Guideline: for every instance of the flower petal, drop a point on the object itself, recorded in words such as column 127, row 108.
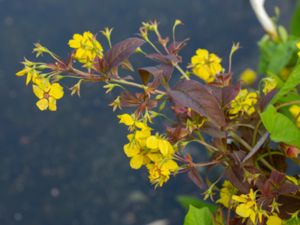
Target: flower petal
column 136, row 162
column 38, row 91
column 42, row 104
column 56, row 91
column 52, row 104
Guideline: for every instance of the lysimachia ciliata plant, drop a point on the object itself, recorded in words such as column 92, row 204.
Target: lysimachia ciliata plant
column 249, row 127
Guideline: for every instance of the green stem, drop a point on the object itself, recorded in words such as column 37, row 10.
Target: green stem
column 256, row 132
column 240, row 140
column 181, row 71
column 129, row 83
column 267, row 164
column 208, row 146
column 287, row 104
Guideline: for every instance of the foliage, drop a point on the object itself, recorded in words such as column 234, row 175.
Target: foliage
column 249, row 127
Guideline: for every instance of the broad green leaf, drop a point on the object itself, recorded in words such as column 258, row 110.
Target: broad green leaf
column 186, row 201
column 292, row 82
column 295, row 22
column 280, row 127
column 275, row 56
column 197, row 216
column 281, row 56
column 293, row 221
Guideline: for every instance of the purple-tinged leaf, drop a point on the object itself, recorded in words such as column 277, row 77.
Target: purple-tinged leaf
column 120, row 52
column 176, row 47
column 199, row 98
column 229, row 93
column 161, row 75
column 165, row 59
column 265, row 100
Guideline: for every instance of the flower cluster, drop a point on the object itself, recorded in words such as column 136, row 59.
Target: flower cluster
column 206, row 65
column 153, row 151
column 226, row 193
column 244, row 103
column 245, row 127
column 269, row 84
column 248, row 208
column 87, row 48
column 298, row 46
column 47, row 92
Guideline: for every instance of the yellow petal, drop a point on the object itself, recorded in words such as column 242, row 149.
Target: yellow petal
column 274, row 220
column 163, row 146
column 44, row 84
column 136, row 162
column 126, row 119
column 56, row 91
column 243, row 211
column 131, row 149
column 171, row 165
column 203, row 53
column 74, row 44
column 154, row 157
column 38, row 91
column 52, row 104
column 152, row 142
column 42, row 104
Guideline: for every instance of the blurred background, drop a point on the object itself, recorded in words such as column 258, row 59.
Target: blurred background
column 68, row 167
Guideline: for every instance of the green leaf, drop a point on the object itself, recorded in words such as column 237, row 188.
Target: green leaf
column 292, row 82
column 280, row 127
column 275, row 56
column 295, row 22
column 197, row 216
column 293, row 221
column 281, row 56
column 186, row 201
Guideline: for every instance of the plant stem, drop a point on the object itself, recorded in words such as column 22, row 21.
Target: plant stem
column 287, row 104
column 129, row 83
column 208, row 146
column 240, row 140
column 181, row 71
column 256, row 132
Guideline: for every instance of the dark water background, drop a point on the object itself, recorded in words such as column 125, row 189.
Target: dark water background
column 68, row 168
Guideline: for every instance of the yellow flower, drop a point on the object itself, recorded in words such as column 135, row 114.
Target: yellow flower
column 295, row 111
column 153, row 151
column 159, row 173
column 126, row 119
column 87, row 48
column 226, row 193
column 274, row 220
column 248, row 77
column 48, row 94
column 269, row 84
column 248, row 207
column 298, row 46
column 29, row 70
column 206, row 65
column 243, row 103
